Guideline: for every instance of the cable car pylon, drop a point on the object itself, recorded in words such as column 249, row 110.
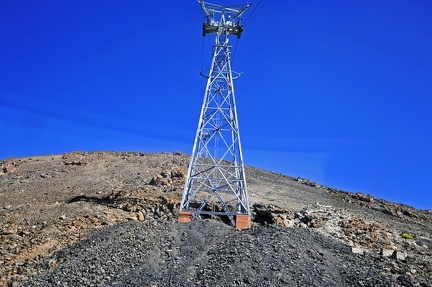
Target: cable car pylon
column 216, row 182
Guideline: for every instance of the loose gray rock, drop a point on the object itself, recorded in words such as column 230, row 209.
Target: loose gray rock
column 211, row 253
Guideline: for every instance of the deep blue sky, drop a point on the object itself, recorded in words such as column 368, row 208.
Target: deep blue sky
column 339, row 92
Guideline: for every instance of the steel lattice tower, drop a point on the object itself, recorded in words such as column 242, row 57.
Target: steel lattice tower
column 216, row 183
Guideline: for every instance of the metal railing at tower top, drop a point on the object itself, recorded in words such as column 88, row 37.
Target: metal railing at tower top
column 224, row 19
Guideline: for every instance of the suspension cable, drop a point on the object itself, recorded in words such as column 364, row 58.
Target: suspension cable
column 253, row 14
column 255, row 11
column 234, row 52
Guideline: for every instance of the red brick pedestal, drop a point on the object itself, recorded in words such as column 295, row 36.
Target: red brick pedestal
column 184, row 216
column 243, row 221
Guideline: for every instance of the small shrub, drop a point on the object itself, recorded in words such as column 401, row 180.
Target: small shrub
column 406, row 235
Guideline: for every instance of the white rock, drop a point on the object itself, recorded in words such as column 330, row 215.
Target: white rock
column 387, row 252
column 399, row 255
column 357, row 250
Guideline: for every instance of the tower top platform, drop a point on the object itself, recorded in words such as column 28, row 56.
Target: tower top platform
column 223, row 19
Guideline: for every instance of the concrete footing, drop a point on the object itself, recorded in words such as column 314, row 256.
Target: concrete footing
column 243, row 221
column 184, row 217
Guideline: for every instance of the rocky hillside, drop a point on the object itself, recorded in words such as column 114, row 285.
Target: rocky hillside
column 109, row 219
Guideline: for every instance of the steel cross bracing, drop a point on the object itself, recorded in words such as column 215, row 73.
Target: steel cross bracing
column 216, row 183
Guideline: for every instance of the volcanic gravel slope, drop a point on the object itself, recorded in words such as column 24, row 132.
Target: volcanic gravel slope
column 109, row 219
column 210, row 253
